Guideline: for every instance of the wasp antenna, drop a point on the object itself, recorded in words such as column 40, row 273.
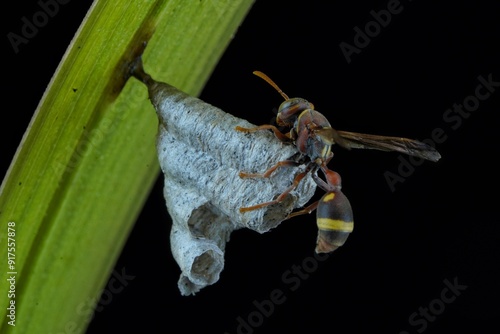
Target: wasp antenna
column 272, row 83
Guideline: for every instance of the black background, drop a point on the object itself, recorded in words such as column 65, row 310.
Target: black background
column 440, row 224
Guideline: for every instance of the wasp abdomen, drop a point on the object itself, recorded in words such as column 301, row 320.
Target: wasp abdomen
column 335, row 221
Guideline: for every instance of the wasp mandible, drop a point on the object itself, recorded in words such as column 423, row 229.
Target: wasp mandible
column 313, row 136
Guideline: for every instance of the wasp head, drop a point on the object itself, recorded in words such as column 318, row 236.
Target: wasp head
column 290, row 109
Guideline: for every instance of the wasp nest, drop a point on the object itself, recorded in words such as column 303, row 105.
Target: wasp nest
column 201, row 154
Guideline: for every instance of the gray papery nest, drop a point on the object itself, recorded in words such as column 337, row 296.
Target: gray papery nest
column 201, row 154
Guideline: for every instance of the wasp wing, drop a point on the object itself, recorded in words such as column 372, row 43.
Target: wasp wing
column 385, row 143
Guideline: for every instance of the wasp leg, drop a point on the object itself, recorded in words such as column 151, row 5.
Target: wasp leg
column 281, row 136
column 281, row 197
column 304, row 211
column 268, row 172
column 332, row 185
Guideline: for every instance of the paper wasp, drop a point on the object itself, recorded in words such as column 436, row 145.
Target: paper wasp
column 313, row 136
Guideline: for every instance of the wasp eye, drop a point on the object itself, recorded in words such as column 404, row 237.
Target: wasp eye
column 292, row 108
column 294, row 105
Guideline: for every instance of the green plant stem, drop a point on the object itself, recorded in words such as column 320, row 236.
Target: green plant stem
column 87, row 160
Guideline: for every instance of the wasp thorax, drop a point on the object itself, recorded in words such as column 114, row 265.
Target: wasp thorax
column 290, row 110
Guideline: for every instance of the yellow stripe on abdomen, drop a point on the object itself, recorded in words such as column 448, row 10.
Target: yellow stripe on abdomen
column 328, row 197
column 334, row 225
